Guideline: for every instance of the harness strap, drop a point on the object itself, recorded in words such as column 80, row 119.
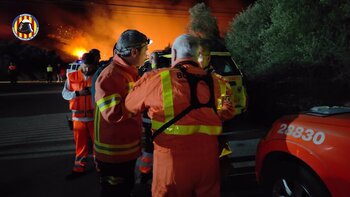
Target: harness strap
column 193, row 81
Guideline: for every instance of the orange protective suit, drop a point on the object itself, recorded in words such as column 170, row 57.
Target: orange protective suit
column 82, row 115
column 186, row 155
column 117, row 134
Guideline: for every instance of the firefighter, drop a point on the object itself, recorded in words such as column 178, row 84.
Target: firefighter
column 204, row 62
column 186, row 106
column 146, row 159
column 97, row 55
column 204, row 55
column 117, row 133
column 77, row 91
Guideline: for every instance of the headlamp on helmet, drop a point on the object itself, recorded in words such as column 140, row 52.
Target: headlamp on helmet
column 130, row 39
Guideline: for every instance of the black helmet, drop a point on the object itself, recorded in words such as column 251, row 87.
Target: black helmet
column 130, row 39
column 88, row 58
column 96, row 54
column 95, row 51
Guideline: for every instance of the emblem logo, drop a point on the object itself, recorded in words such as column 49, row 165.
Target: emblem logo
column 25, row 27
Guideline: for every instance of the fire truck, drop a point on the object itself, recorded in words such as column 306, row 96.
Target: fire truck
column 305, row 154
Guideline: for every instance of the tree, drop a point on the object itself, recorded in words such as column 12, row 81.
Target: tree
column 204, row 25
column 294, row 53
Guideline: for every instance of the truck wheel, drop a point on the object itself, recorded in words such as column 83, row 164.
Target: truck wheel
column 292, row 179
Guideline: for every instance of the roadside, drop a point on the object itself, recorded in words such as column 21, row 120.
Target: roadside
column 45, row 177
column 37, row 148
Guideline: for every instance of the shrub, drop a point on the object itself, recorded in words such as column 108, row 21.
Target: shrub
column 295, row 54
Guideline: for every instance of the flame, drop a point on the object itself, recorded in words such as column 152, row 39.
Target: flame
column 78, row 52
column 102, row 34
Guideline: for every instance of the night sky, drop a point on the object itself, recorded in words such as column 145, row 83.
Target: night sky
column 68, row 25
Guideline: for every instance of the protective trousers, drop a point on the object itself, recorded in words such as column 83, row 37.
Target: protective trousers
column 83, row 133
column 116, row 179
column 187, row 170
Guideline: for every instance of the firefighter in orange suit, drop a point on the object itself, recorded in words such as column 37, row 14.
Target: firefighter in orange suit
column 117, row 133
column 77, row 91
column 186, row 155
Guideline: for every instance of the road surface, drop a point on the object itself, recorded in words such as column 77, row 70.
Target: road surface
column 37, row 148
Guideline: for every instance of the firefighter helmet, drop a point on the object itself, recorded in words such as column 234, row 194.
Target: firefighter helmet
column 25, row 27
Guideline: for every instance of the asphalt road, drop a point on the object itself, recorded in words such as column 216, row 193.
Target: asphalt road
column 27, row 99
column 37, row 148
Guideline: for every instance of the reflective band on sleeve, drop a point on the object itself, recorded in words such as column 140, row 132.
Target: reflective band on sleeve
column 83, row 119
column 167, row 95
column 122, row 149
column 187, row 129
column 82, row 111
column 108, row 102
column 129, row 79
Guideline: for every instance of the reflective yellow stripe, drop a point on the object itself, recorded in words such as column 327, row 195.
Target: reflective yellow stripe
column 166, row 56
column 97, row 124
column 187, row 129
column 176, row 129
column 167, row 95
column 153, row 65
column 236, row 78
column 108, row 102
column 103, row 104
column 129, row 79
column 223, row 87
column 130, row 85
column 222, row 94
column 120, row 146
column 110, row 149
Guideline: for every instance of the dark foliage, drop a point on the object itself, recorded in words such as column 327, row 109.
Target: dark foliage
column 31, row 61
column 204, row 25
column 295, row 54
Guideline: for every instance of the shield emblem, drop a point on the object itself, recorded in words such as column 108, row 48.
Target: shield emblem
column 25, row 27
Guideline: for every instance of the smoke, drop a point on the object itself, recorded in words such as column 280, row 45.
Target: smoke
column 66, row 26
column 160, row 20
column 103, row 23
column 71, row 24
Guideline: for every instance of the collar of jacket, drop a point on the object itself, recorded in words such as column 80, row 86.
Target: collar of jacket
column 121, row 63
column 190, row 67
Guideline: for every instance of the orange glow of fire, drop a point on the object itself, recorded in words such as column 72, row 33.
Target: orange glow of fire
column 78, row 52
column 102, row 34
